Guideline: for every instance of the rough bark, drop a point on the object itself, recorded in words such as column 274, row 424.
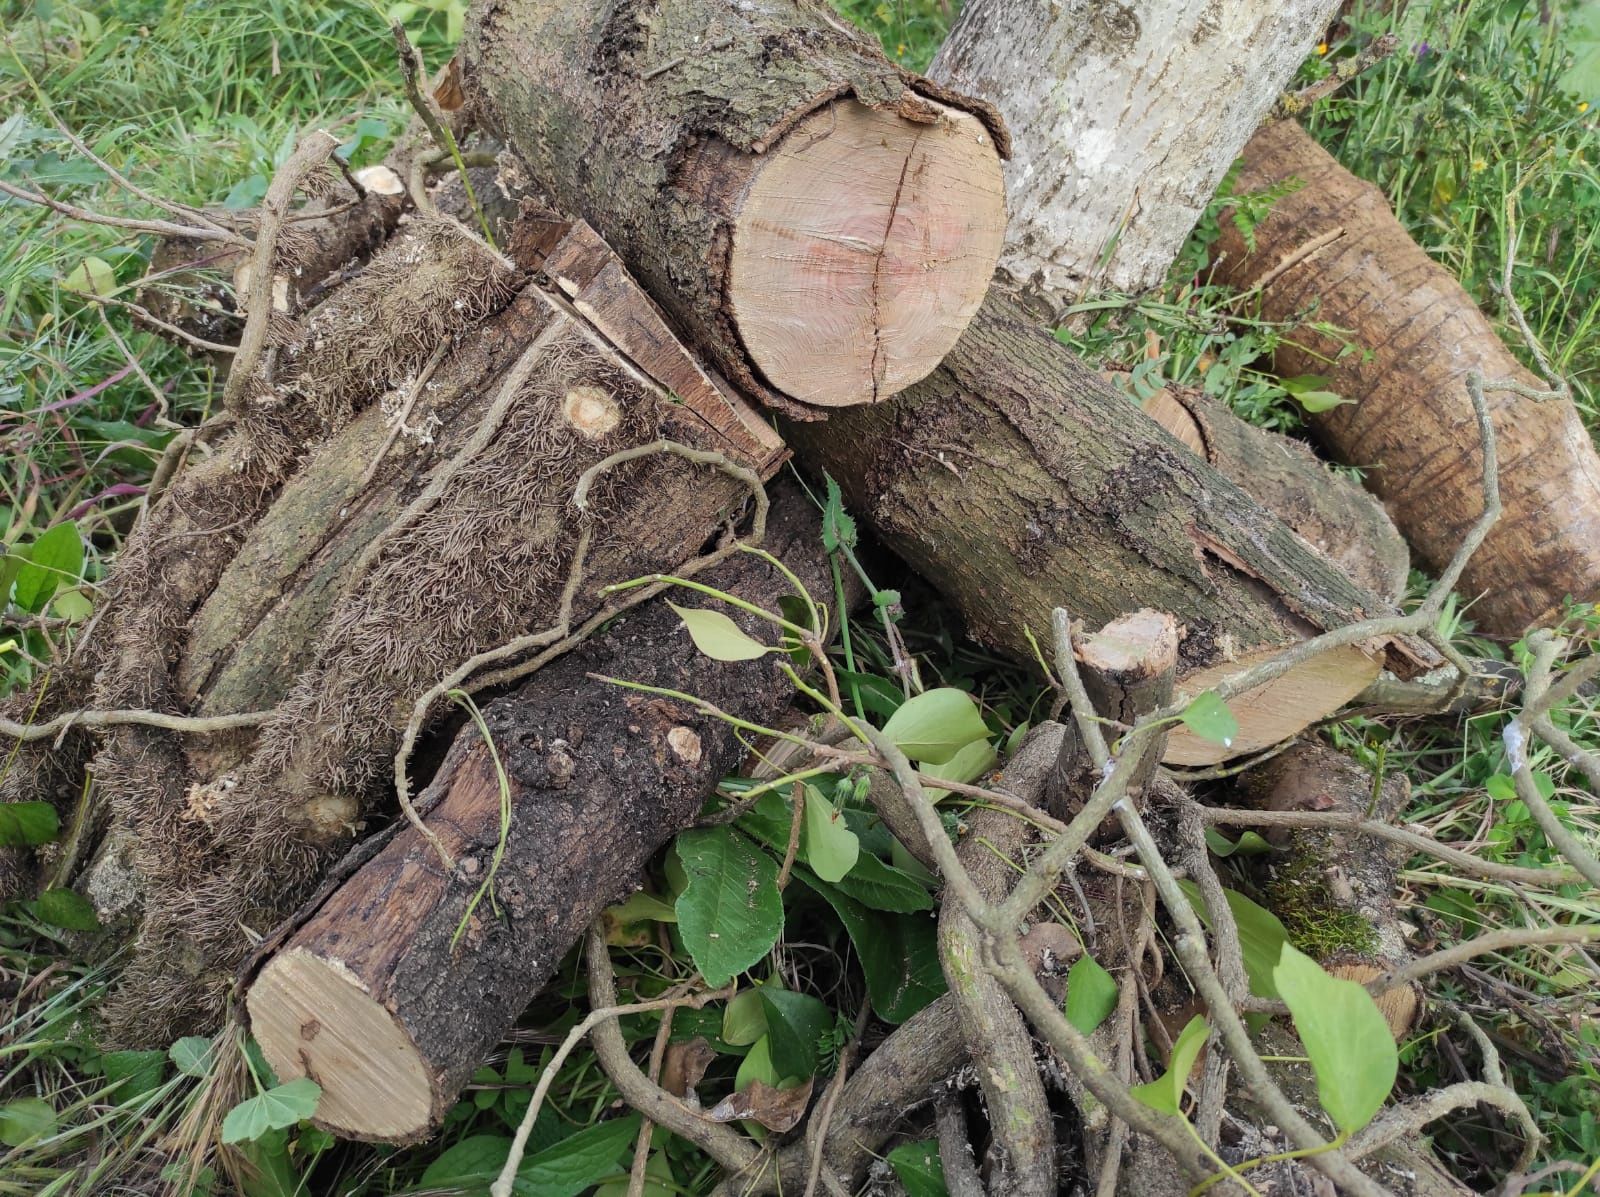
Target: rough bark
column 1014, row 480
column 1410, row 424
column 367, row 996
column 819, row 221
column 1123, row 118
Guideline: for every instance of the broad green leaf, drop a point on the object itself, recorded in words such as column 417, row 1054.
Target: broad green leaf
column 967, row 765
column 659, row 1180
column 134, row 1073
column 838, row 528
column 918, row 1168
column 879, row 696
column 1351, row 1047
column 880, row 886
column 1581, row 36
column 1299, row 384
column 757, row 1066
column 1209, row 718
column 54, row 560
column 899, row 953
column 1315, row 401
column 192, row 1055
column 1165, row 1093
column 1250, row 844
column 1261, row 936
column 27, row 824
column 744, row 1019
column 26, row 1119
column 935, row 725
column 92, row 276
column 1091, row 995
column 795, row 1021
column 65, row 908
column 468, row 1165
column 275, row 1109
column 1501, row 787
column 718, row 636
column 641, row 907
column 731, row 913
column 831, row 848
column 563, row 1169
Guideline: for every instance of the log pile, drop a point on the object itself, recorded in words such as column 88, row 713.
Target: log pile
column 725, row 234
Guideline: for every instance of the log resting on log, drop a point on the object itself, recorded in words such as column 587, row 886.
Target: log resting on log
column 1016, row 480
column 822, row 223
column 1410, row 424
column 376, row 998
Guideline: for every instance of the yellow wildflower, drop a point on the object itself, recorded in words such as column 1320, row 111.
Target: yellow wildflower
column 1322, row 48
column 1479, row 164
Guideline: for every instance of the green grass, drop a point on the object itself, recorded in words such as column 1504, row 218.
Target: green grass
column 198, row 101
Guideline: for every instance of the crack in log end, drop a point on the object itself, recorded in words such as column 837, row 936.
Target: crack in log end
column 877, row 367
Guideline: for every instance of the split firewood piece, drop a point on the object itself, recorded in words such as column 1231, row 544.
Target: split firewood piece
column 1014, row 481
column 1409, row 422
column 1337, row 517
column 821, row 222
column 366, row 997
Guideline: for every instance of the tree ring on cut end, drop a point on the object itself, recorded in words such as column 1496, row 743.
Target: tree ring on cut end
column 863, row 247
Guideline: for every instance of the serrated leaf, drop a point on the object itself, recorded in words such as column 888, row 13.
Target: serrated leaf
column 276, row 1109
column 1165, row 1093
column 192, row 1055
column 26, row 1119
column 744, row 1018
column 935, row 725
column 730, row 913
column 831, row 848
column 918, row 1168
column 795, row 1022
column 838, row 528
column 28, row 824
column 1091, row 995
column 54, row 560
column 66, row 908
column 1261, row 936
column 717, row 636
column 1344, row 1033
column 92, row 276
column 1209, row 718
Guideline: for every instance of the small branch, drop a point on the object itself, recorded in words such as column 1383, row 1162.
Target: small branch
column 411, row 73
column 145, row 316
column 1494, row 941
column 210, row 725
column 1343, row 71
column 796, row 820
column 817, row 1125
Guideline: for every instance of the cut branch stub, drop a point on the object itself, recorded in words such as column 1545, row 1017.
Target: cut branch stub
column 821, row 222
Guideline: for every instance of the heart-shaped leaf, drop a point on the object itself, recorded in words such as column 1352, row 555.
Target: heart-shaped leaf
column 277, row 1108
column 935, row 725
column 831, row 848
column 1091, row 995
column 1165, row 1093
column 1209, row 718
column 1351, row 1047
column 718, row 636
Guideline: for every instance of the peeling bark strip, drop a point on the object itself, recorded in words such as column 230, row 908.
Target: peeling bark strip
column 1109, row 171
column 1016, row 480
column 1410, row 423
column 820, row 221
column 373, row 998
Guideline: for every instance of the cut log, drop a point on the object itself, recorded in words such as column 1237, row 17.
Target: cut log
column 396, row 987
column 1335, row 242
column 822, row 223
column 1124, row 119
column 1015, row 481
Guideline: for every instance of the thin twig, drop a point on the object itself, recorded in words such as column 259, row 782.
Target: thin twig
column 817, row 1125
column 796, row 820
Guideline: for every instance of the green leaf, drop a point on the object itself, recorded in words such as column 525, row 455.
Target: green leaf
column 1091, row 995
column 26, row 1119
column 56, row 558
column 1299, row 384
column 831, row 848
column 879, row 696
column 642, row 907
column 1315, row 401
column 731, row 913
column 967, row 765
column 134, row 1073
column 1250, row 844
column 64, row 908
column 795, row 1021
column 757, row 1066
column 838, row 528
column 718, row 636
column 1501, row 787
column 192, row 1055
column 92, row 276
column 918, row 1168
column 563, row 1169
column 27, row 824
column 1261, row 936
column 899, row 953
column 275, row 1109
column 1351, row 1047
column 1209, row 718
column 1166, row 1091
column 744, row 1019
column 880, row 886
column 935, row 725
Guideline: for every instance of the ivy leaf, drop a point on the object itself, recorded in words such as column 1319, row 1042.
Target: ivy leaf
column 1209, row 718
column 1166, row 1091
column 273, row 1110
column 54, row 559
column 27, row 824
column 191, row 1055
column 1351, row 1047
column 718, row 636
column 795, row 1021
column 730, row 913
column 26, row 1119
column 67, row 909
column 831, row 848
column 935, row 725
column 1091, row 995
column 838, row 527
column 918, row 1168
